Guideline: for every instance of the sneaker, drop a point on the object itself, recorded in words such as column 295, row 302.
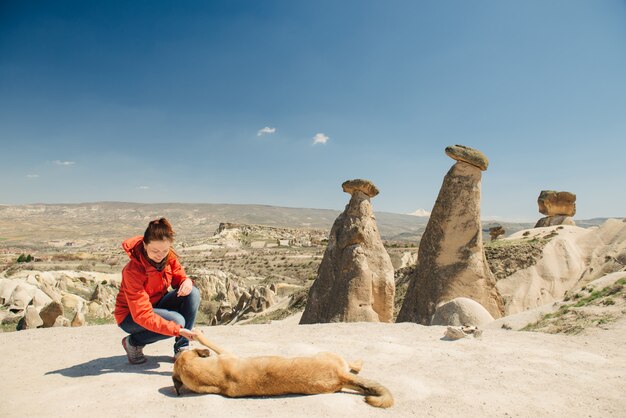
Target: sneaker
column 134, row 353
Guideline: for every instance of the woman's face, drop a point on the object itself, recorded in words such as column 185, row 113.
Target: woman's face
column 158, row 250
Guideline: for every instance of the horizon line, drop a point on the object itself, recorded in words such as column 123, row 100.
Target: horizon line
column 490, row 218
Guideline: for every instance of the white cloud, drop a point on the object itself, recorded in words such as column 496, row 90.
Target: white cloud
column 59, row 162
column 420, row 212
column 143, row 188
column 320, row 138
column 32, row 176
column 266, row 131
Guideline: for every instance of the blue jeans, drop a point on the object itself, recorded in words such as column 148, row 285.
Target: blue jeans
column 171, row 307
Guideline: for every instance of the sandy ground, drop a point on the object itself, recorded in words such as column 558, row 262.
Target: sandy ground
column 83, row 372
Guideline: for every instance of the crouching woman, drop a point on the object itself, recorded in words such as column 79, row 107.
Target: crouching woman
column 144, row 307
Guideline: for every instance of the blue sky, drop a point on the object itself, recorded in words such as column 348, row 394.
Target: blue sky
column 154, row 101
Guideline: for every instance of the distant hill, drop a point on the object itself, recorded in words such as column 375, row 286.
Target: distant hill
column 107, row 223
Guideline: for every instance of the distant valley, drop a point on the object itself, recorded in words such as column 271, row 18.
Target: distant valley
column 108, row 223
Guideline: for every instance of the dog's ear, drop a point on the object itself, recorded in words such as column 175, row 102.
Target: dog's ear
column 203, row 352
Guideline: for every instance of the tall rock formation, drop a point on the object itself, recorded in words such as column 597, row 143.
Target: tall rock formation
column 451, row 260
column 559, row 207
column 355, row 279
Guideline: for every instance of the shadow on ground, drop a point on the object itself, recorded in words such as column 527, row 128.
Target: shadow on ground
column 115, row 364
column 170, row 392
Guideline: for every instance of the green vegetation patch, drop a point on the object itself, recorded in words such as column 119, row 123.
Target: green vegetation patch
column 576, row 316
column 8, row 327
column 505, row 257
column 9, row 324
column 614, row 289
column 25, row 258
column 95, row 320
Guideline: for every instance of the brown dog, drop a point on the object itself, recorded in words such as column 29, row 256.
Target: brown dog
column 233, row 376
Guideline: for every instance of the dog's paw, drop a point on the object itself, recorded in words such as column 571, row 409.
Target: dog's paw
column 355, row 366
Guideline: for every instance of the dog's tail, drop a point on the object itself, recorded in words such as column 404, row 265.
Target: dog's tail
column 375, row 393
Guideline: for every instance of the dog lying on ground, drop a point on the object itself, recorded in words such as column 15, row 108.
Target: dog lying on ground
column 233, row 376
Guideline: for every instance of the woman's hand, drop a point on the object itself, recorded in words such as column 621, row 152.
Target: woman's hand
column 185, row 288
column 190, row 335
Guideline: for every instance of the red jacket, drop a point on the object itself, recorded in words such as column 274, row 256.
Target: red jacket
column 143, row 286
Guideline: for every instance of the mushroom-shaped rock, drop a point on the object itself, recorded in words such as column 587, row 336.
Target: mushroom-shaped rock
column 355, row 280
column 451, row 261
column 361, row 185
column 469, row 155
column 553, row 203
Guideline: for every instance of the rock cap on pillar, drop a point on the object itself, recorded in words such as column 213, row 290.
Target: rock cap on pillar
column 553, row 203
column 469, row 155
column 365, row 186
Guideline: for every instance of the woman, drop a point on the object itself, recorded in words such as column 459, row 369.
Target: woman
column 144, row 308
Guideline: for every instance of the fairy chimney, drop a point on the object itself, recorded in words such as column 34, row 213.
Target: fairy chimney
column 355, row 279
column 451, row 259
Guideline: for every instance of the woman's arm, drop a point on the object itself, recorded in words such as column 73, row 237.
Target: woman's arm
column 140, row 307
column 180, row 280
